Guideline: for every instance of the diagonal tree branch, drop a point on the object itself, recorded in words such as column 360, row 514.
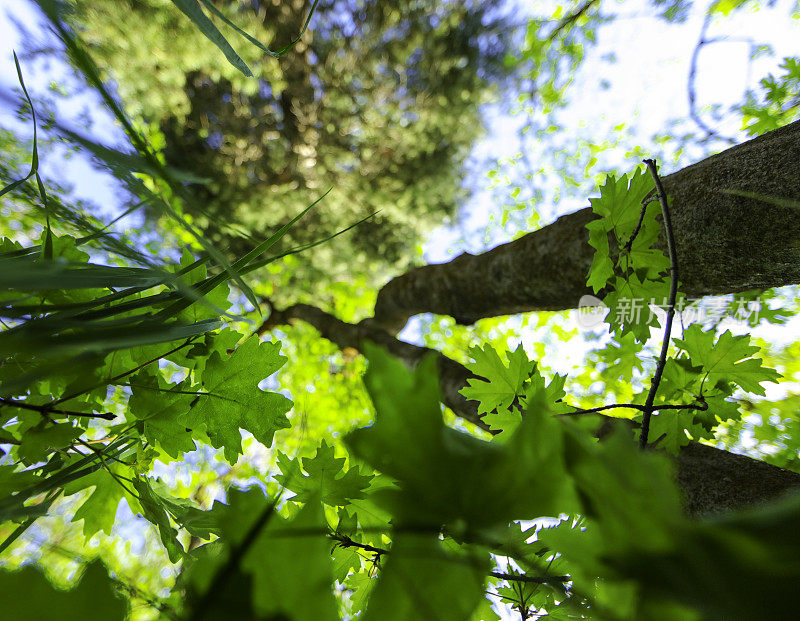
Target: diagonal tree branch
column 727, row 243
column 452, row 375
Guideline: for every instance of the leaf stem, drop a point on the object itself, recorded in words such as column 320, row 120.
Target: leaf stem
column 673, row 294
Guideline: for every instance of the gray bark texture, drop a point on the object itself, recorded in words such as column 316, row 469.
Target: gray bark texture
column 726, row 243
column 712, row 481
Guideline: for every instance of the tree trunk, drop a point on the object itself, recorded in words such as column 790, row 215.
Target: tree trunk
column 715, row 481
column 726, row 243
column 712, row 480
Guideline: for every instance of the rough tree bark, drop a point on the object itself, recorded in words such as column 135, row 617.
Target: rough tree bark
column 712, row 480
column 726, row 243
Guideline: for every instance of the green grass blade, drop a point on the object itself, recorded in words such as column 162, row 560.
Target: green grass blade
column 210, row 6
column 192, row 10
column 25, row 275
column 298, row 249
column 47, row 250
column 53, row 10
column 286, row 48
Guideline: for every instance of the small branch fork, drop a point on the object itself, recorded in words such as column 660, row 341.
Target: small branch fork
column 691, row 88
column 343, row 541
column 673, row 294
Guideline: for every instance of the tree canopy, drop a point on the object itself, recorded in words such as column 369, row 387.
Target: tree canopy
column 377, row 103
column 194, row 427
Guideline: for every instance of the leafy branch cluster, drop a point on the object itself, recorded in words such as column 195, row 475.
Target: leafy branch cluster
column 106, row 369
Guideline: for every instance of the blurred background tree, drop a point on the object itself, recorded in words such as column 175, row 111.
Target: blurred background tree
column 379, row 101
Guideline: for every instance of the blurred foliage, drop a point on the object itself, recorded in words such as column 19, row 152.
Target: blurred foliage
column 414, row 514
column 779, row 101
column 379, row 101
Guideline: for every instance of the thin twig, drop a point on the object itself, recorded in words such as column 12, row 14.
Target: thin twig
column 346, row 542
column 197, row 393
column 642, row 408
column 645, row 202
column 690, row 86
column 571, row 18
column 114, row 379
column 49, row 409
column 533, row 579
column 673, row 294
column 343, row 541
column 102, row 457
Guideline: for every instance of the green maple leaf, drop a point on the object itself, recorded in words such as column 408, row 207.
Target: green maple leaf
column 602, row 268
column 650, row 262
column 719, row 410
column 345, row 560
column 160, row 406
column 729, row 359
column 620, row 209
column 675, row 424
column 642, row 257
column 503, row 382
column 45, row 437
column 30, row 595
column 629, row 305
column 236, row 402
column 680, row 381
column 99, row 510
column 326, row 477
column 196, row 356
column 506, row 421
column 361, row 584
column 620, row 201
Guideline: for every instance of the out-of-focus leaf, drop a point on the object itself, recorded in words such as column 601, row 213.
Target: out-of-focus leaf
column 29, row 596
column 192, row 10
column 446, row 476
column 422, row 581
